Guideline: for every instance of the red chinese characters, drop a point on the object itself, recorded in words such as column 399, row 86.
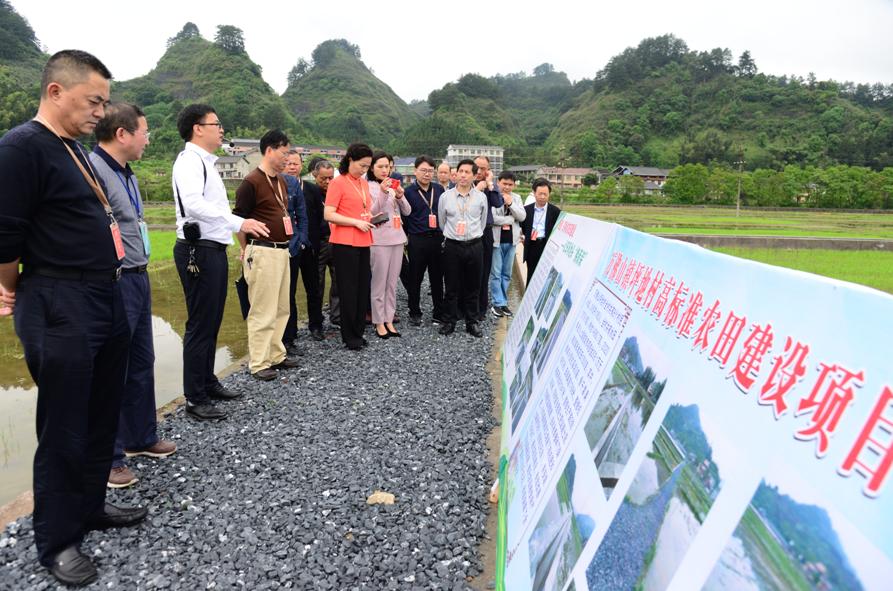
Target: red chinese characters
column 830, row 397
column 787, row 369
column 872, row 453
column 708, row 323
column 728, row 338
column 755, row 347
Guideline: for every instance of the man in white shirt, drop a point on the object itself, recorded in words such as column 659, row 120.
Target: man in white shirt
column 205, row 228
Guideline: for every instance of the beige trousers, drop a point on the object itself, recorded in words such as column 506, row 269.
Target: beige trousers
column 267, row 277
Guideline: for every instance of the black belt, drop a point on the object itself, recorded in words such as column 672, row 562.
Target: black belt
column 268, row 244
column 464, row 242
column 202, row 243
column 428, row 233
column 140, row 269
column 110, row 275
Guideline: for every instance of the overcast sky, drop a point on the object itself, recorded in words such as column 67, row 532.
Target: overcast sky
column 417, row 47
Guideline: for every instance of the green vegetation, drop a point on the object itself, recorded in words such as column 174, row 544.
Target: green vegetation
column 751, row 222
column 338, row 98
column 870, row 268
column 162, row 242
column 768, row 557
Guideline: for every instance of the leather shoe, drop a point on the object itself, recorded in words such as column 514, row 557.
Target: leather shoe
column 415, row 320
column 473, row 330
column 221, row 393
column 73, row 567
column 447, row 328
column 317, row 335
column 205, row 412
column 286, row 363
column 267, row 375
column 114, row 516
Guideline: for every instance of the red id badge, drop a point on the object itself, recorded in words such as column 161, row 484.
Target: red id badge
column 116, row 237
column 534, row 234
column 506, row 227
column 432, row 221
column 460, row 228
column 286, row 223
column 397, row 221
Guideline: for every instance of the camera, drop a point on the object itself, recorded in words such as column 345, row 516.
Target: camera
column 192, row 231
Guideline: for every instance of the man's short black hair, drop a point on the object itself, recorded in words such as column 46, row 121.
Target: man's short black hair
column 275, row 138
column 425, row 159
column 354, row 152
column 191, row 115
column 69, row 67
column 474, row 167
column 118, row 116
column 507, row 175
column 541, row 182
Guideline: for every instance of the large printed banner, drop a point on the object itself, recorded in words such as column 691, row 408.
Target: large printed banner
column 676, row 418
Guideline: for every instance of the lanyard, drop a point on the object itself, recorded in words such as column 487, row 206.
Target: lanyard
column 425, row 197
column 277, row 192
column 91, row 180
column 460, row 200
column 361, row 191
column 133, row 196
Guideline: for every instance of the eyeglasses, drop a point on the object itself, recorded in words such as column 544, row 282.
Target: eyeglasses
column 425, row 170
column 144, row 133
column 217, row 123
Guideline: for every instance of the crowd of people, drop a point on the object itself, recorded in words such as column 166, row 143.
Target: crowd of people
column 75, row 249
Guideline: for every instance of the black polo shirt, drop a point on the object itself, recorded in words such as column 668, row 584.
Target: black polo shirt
column 417, row 220
column 49, row 215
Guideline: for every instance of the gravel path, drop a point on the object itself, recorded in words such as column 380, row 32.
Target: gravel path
column 275, row 496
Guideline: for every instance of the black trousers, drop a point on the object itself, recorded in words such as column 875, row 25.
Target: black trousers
column 76, row 339
column 425, row 252
column 205, row 300
column 462, row 277
column 486, row 263
column 137, row 426
column 533, row 250
column 354, row 276
column 306, row 264
column 326, row 260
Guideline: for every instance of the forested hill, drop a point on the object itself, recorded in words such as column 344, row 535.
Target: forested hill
column 338, row 98
column 219, row 73
column 662, row 104
column 658, row 104
column 21, row 62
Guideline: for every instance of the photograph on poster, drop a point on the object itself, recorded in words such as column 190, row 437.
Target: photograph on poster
column 519, row 394
column 525, row 338
column 791, row 538
column 543, row 348
column 561, row 532
column 624, row 406
column 663, row 510
column 549, row 294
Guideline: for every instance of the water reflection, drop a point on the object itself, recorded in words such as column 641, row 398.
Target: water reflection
column 18, row 394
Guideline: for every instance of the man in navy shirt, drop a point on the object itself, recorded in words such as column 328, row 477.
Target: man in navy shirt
column 55, row 220
column 425, row 239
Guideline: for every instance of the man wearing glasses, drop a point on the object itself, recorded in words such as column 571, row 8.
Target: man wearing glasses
column 425, row 238
column 205, row 228
column 123, row 135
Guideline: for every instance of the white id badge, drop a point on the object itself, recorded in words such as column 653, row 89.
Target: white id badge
column 144, row 234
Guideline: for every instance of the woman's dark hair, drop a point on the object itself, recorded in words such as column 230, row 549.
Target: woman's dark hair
column 541, row 182
column 354, row 152
column 370, row 174
column 189, row 116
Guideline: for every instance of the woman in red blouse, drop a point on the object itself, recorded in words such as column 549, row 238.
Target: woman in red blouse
column 348, row 211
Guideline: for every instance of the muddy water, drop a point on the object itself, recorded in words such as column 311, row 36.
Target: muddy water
column 18, row 394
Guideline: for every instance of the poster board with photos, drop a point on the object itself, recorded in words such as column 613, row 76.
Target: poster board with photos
column 673, row 417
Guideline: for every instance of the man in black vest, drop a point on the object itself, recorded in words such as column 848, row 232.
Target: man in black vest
column 537, row 226
column 56, row 220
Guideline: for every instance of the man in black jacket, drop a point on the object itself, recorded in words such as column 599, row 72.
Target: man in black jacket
column 315, row 196
column 537, row 226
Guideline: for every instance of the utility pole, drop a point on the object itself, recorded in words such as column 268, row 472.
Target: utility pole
column 740, row 164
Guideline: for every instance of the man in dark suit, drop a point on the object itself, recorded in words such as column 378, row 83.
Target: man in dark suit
column 537, row 226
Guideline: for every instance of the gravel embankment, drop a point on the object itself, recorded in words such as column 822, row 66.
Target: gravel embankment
column 275, row 496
